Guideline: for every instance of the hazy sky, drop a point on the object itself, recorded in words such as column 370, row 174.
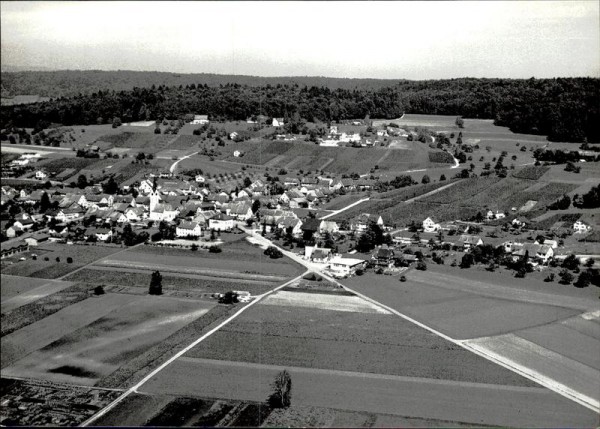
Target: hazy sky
column 412, row 40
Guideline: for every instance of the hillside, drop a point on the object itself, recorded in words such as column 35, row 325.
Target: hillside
column 564, row 109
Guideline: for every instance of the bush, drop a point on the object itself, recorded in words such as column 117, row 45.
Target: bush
column 421, row 266
column 46, row 258
column 194, row 247
column 34, row 258
column 273, row 252
column 69, row 260
column 229, row 298
column 99, row 290
column 215, row 249
column 58, row 259
column 402, row 278
column 360, row 272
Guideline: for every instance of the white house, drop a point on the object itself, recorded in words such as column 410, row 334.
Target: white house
column 233, row 135
column 188, row 229
column 221, row 222
column 317, row 254
column 200, row 120
column 328, row 226
column 468, row 241
column 342, row 267
column 430, row 226
column 581, row 228
column 41, row 175
column 497, row 215
column 199, row 178
column 103, row 234
column 278, row 122
column 163, row 212
column 237, row 153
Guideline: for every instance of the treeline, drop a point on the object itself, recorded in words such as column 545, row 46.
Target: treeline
column 562, row 109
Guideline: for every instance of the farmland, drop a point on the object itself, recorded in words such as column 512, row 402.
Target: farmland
column 51, row 268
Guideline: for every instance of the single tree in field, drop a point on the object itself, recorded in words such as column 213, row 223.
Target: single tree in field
column 155, row 284
column 282, row 390
column 425, row 179
column 82, row 181
column 565, row 277
column 460, row 123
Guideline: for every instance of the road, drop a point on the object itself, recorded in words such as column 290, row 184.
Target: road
column 174, row 165
column 336, row 212
column 474, row 403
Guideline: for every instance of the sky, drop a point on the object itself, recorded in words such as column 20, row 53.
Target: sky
column 395, row 40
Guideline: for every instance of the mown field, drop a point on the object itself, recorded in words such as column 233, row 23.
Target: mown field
column 348, row 341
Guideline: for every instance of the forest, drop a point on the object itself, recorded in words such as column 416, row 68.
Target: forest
column 564, row 109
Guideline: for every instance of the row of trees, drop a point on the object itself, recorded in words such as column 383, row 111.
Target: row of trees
column 563, row 109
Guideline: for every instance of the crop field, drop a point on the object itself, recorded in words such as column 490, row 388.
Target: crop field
column 343, row 201
column 462, row 190
column 207, row 166
column 139, row 140
column 18, row 291
column 56, row 166
column 51, row 269
column 185, row 142
column 347, row 341
column 107, row 332
column 136, row 281
column 11, row 286
column 531, row 172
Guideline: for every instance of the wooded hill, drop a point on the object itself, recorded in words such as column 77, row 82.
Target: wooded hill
column 564, row 109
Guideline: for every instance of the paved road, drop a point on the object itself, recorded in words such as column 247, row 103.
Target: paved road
column 336, row 212
column 174, row 165
column 402, row 396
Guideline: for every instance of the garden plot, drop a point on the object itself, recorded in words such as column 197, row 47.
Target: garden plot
column 123, row 327
column 323, row 301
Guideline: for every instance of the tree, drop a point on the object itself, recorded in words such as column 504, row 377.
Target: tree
column 425, row 179
column 422, row 266
column 565, row 277
column 247, row 182
column 194, row 247
column 584, row 279
column 570, row 263
column 282, row 391
column 99, row 290
column 466, row 261
column 155, row 284
column 442, row 177
column 110, row 187
column 45, row 203
column 255, row 206
column 460, row 123
column 116, row 122
column 82, row 181
column 229, row 298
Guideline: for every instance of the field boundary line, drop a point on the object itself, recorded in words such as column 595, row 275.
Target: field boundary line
column 135, row 388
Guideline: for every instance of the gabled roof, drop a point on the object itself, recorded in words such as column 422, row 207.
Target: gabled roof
column 311, row 224
column 187, row 225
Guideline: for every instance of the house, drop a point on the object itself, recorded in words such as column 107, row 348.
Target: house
column 581, row 228
column 240, row 211
column 237, row 153
column 200, row 120
column 384, row 257
column 41, row 175
column 24, row 224
column 328, row 226
column 519, row 222
column 36, row 238
column 361, row 222
column 233, row 135
column 537, row 252
column 495, row 215
column 221, row 222
column 134, row 214
column 163, row 211
column 199, row 178
column 317, row 254
column 188, row 229
column 343, row 267
column 311, row 225
column 278, row 122
column 430, row 226
column 469, row 241
column 290, row 222
column 11, row 248
column 102, row 234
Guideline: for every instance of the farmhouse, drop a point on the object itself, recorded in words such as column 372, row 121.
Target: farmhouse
column 469, row 241
column 328, row 226
column 316, row 254
column 384, row 257
column 41, row 175
column 430, row 226
column 290, row 222
column 188, row 229
column 200, row 120
column 278, row 122
column 36, row 238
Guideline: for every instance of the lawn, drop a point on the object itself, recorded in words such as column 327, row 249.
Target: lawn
column 11, row 286
column 51, row 269
column 361, row 342
column 149, row 142
column 98, row 336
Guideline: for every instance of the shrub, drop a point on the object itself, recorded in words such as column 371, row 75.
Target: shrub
column 215, row 249
column 99, row 290
column 273, row 252
column 34, row 258
column 46, row 258
column 69, row 260
column 421, row 266
column 229, row 298
column 58, row 259
column 360, row 272
column 402, row 278
column 194, row 247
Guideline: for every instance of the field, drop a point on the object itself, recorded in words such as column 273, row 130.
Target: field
column 51, row 269
column 18, row 291
column 347, row 341
column 150, row 143
column 309, row 157
column 100, row 335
